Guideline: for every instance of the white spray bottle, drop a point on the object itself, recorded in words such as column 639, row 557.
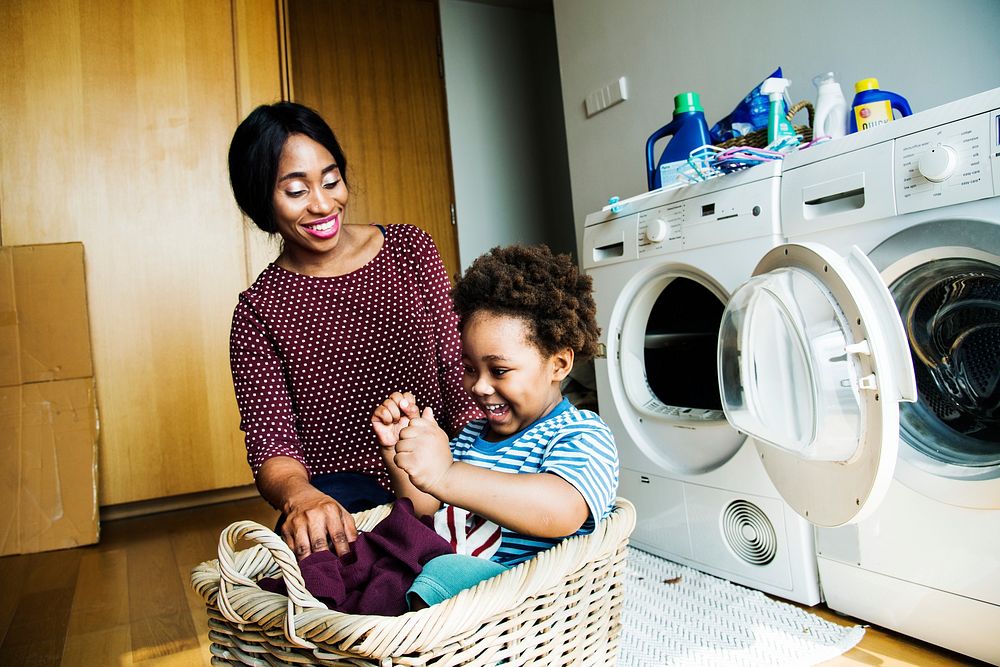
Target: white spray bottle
column 831, row 118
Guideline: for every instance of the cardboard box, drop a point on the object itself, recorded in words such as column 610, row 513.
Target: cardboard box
column 48, row 406
column 44, row 326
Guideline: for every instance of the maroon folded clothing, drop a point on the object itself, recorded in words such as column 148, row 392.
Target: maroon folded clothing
column 374, row 577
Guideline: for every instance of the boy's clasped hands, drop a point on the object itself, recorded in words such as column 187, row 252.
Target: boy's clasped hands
column 413, row 440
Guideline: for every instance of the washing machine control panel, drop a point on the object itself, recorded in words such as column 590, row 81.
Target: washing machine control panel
column 747, row 211
column 661, row 229
column 944, row 165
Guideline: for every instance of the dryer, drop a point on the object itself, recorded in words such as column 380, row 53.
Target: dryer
column 917, row 549
column 664, row 265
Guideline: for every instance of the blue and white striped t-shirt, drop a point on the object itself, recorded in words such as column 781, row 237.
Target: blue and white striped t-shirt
column 574, row 444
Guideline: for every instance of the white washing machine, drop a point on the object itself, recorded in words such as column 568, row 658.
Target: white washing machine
column 919, row 198
column 664, row 267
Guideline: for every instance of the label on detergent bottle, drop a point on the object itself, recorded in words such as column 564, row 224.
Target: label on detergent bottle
column 872, row 114
column 670, row 173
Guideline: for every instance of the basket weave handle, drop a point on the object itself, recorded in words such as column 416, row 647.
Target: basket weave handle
column 271, row 548
column 799, row 106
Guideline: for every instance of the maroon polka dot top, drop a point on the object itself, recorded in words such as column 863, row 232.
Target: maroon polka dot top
column 313, row 356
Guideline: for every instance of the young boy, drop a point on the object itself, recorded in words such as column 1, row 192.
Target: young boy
column 525, row 316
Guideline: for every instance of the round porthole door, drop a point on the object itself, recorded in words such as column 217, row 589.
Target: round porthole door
column 666, row 368
column 813, row 363
column 944, row 276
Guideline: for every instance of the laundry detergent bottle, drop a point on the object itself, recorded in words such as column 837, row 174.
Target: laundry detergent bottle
column 688, row 130
column 830, row 119
column 873, row 107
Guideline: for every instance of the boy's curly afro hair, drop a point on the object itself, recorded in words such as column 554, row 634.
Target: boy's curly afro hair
column 547, row 291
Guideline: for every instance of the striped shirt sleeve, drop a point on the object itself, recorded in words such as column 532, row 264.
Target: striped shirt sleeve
column 584, row 454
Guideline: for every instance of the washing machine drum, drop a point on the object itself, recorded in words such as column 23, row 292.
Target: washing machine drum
column 951, row 312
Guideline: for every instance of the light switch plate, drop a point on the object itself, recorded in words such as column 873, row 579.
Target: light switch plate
column 606, row 96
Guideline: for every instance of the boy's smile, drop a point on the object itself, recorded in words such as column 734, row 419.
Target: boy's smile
column 514, row 382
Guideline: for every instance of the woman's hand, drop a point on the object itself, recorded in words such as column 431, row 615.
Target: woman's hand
column 313, row 520
column 316, row 522
column 423, row 453
column 392, row 417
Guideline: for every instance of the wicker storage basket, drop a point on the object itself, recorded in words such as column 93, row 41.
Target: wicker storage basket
column 758, row 138
column 560, row 608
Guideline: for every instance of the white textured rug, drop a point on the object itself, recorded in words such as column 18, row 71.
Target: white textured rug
column 675, row 615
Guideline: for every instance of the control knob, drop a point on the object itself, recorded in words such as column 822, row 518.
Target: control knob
column 938, row 163
column 656, row 230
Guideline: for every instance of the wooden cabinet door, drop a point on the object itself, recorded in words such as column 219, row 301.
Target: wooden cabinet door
column 372, row 68
column 115, row 122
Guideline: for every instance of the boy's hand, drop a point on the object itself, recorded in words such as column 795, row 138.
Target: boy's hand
column 393, row 416
column 423, row 453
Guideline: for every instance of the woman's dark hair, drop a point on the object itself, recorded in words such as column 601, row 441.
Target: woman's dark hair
column 547, row 291
column 256, row 149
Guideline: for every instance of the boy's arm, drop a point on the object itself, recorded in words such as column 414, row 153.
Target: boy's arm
column 424, row 504
column 388, row 419
column 538, row 504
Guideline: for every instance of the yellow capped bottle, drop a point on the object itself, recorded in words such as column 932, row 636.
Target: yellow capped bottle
column 873, row 107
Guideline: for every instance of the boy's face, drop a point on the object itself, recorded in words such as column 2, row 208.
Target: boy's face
column 513, row 382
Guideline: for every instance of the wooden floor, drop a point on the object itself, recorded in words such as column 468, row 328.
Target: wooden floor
column 127, row 600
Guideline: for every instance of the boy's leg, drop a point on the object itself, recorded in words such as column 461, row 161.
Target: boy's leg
column 448, row 575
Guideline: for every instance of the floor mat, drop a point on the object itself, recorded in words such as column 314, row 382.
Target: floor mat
column 675, row 615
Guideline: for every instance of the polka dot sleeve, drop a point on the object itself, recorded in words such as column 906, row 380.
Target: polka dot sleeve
column 266, row 413
column 436, row 290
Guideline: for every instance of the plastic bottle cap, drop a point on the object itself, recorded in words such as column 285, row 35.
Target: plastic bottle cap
column 866, row 84
column 826, row 77
column 687, row 102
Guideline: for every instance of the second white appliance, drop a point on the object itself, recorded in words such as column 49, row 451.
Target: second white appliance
column 919, row 197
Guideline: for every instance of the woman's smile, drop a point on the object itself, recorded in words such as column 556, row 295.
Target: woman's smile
column 325, row 228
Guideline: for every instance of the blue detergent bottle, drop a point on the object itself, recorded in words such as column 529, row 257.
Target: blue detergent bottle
column 689, row 131
column 873, row 107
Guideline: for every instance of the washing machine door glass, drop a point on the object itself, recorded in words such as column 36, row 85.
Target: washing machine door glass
column 794, row 386
column 812, row 364
column 951, row 311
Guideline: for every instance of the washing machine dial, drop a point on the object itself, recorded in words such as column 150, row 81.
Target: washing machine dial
column 656, row 230
column 938, row 164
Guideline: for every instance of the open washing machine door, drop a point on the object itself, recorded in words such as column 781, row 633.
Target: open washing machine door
column 813, row 362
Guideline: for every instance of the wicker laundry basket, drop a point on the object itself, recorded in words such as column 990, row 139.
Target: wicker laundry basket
column 562, row 607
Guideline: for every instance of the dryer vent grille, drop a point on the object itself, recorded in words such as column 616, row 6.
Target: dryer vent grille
column 749, row 533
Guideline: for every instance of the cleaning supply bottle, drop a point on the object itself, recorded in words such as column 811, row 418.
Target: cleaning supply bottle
column 830, row 119
column 873, row 106
column 689, row 131
column 778, row 125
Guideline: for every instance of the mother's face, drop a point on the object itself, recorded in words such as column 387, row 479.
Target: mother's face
column 310, row 196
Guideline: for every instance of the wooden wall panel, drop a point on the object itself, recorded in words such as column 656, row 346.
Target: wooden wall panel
column 262, row 78
column 114, row 126
column 372, row 69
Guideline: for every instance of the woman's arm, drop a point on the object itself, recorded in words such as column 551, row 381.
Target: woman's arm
column 273, row 450
column 267, row 415
column 459, row 408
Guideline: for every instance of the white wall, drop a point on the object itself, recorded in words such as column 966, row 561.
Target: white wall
column 929, row 51
column 505, row 116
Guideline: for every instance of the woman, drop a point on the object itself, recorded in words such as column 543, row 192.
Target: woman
column 345, row 315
